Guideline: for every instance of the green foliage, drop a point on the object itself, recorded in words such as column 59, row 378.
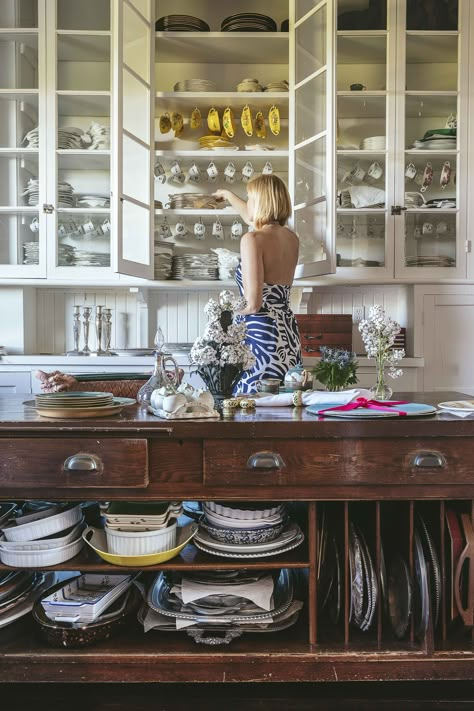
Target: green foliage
column 337, row 368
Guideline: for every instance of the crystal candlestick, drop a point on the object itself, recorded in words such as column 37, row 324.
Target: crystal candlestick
column 98, row 329
column 76, row 330
column 86, row 315
column 107, row 331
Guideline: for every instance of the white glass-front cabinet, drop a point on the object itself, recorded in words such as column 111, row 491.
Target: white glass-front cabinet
column 401, row 178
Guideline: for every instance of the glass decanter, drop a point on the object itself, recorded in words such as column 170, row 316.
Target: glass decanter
column 161, row 377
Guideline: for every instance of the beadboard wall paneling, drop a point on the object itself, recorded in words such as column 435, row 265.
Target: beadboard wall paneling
column 180, row 314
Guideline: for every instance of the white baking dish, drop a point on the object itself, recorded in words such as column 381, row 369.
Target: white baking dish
column 44, row 527
column 41, row 558
column 42, row 544
column 141, row 543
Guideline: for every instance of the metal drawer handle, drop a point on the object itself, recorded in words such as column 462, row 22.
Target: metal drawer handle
column 313, row 338
column 83, row 463
column 428, row 460
column 265, row 460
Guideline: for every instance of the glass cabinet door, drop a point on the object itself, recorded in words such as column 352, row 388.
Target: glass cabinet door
column 312, row 168
column 365, row 137
column 432, row 116
column 22, row 139
column 134, row 145
column 80, row 229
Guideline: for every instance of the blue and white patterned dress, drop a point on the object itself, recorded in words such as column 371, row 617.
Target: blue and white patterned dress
column 272, row 334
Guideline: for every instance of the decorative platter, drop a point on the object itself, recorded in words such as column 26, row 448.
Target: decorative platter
column 457, row 405
column 77, row 413
column 412, row 409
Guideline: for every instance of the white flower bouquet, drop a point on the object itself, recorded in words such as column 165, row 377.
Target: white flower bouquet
column 221, row 354
column 378, row 333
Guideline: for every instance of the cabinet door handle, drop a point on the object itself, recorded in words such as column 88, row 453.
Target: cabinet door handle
column 318, row 337
column 265, row 460
column 83, row 463
column 428, row 460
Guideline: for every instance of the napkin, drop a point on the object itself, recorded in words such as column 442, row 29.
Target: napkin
column 259, row 592
column 313, row 397
column 458, row 413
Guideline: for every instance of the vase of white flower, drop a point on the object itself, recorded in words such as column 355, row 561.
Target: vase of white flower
column 378, row 334
column 221, row 354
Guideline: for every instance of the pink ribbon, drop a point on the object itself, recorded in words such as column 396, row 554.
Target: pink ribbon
column 363, row 402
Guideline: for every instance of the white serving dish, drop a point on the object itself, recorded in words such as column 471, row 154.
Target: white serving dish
column 226, row 522
column 42, row 544
column 6, row 510
column 141, row 542
column 44, row 527
column 243, row 514
column 41, row 558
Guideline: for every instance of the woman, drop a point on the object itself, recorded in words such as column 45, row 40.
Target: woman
column 269, row 255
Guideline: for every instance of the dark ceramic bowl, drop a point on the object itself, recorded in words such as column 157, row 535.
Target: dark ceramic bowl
column 71, row 634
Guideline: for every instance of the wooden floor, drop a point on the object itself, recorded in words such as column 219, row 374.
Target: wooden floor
column 433, row 696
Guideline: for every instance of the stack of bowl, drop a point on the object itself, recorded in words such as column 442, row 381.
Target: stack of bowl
column 232, row 523
column 139, row 528
column 47, row 537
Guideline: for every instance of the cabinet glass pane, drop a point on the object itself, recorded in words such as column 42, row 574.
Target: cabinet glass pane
column 17, row 174
column 18, row 117
column 19, row 62
column 90, row 115
column 430, row 239
column 19, row 238
column 311, row 228
column 143, row 6
column 432, row 15
column 362, row 14
column 427, row 119
column 432, row 62
column 83, row 15
column 136, row 111
column 83, row 62
column 361, row 122
column 83, row 239
column 361, row 181
column 310, row 171
column 311, row 108
column 83, row 180
column 136, row 43
column 136, row 233
column 136, row 170
column 360, row 240
column 310, row 41
column 19, row 13
column 302, row 7
column 361, row 62
column 430, row 179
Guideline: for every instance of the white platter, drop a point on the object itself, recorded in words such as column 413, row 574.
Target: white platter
column 457, row 405
column 288, row 536
column 284, row 549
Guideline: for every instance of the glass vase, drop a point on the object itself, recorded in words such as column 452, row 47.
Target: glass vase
column 381, row 390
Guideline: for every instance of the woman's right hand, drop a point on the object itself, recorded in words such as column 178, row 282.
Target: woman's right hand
column 222, row 194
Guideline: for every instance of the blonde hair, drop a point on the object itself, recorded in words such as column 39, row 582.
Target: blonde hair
column 272, row 200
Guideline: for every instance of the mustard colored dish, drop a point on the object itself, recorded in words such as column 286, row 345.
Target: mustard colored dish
column 96, row 539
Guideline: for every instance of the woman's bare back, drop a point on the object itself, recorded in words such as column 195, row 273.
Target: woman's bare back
column 279, row 248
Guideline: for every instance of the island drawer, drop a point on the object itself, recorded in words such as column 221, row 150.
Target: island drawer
column 73, row 462
column 303, row 462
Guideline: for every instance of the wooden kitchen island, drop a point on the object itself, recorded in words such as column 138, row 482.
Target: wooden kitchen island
column 381, row 472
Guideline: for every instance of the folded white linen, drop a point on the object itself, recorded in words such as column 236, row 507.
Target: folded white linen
column 458, row 413
column 313, row 397
column 259, row 592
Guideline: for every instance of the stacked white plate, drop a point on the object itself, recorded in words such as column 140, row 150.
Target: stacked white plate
column 141, row 528
column 32, row 138
column 66, row 195
column 69, row 138
column 163, row 259
column 249, row 85
column 373, row 143
column 195, row 85
column 93, row 201
column 277, row 86
column 31, row 192
column 31, row 252
column 74, row 399
column 201, row 266
column 47, row 537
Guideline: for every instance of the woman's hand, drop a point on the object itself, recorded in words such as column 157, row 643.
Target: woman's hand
column 221, row 195
column 56, row 381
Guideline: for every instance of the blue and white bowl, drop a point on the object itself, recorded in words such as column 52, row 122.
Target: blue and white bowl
column 245, row 536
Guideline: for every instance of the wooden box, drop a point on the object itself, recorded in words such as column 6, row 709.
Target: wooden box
column 318, row 330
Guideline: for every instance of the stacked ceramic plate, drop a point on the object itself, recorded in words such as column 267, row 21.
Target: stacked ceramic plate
column 66, row 255
column 79, row 405
column 31, row 252
column 134, row 528
column 373, row 143
column 211, row 143
column 163, row 259
column 92, row 201
column 229, row 530
column 231, row 601
column 46, row 537
column 363, row 581
column 66, row 195
column 248, row 22
column 195, row 85
column 249, row 85
column 18, row 591
column 200, row 266
column 84, row 258
column 277, row 86
column 31, row 138
column 181, row 23
column 69, row 138
column 177, row 267
column 193, row 201
column 31, row 192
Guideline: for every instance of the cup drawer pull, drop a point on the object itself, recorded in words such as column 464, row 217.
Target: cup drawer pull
column 428, row 460
column 83, row 463
column 265, row 460
column 318, row 337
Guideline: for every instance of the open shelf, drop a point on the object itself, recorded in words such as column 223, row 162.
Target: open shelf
column 83, row 103
column 431, row 47
column 85, row 46
column 222, row 47
column 187, row 100
column 83, row 159
column 361, row 47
